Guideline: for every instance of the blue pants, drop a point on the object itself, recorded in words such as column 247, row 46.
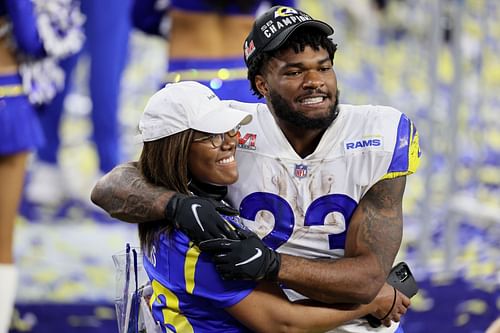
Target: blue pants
column 107, row 30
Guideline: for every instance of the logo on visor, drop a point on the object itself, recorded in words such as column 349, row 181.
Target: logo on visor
column 284, row 12
column 247, row 141
column 249, row 48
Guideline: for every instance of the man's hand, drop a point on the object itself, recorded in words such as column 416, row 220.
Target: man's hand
column 199, row 218
column 245, row 259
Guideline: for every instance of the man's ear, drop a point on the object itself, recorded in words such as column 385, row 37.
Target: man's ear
column 261, row 85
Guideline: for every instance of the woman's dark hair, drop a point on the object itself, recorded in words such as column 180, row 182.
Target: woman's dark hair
column 298, row 41
column 164, row 162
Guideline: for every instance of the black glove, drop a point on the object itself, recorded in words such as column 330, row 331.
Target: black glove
column 245, row 259
column 199, row 218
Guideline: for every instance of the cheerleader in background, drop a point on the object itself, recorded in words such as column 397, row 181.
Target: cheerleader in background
column 205, row 39
column 29, row 77
column 106, row 28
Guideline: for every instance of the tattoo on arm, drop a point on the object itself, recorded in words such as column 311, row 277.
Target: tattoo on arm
column 382, row 229
column 372, row 242
column 126, row 195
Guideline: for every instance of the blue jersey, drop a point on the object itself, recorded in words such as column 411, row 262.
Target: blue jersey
column 188, row 293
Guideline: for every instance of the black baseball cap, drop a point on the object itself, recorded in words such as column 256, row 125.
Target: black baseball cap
column 271, row 29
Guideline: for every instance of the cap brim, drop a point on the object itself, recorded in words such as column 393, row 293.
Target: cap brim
column 285, row 34
column 221, row 120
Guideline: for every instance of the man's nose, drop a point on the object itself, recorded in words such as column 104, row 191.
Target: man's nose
column 312, row 80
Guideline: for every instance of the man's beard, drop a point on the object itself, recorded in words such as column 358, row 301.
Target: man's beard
column 284, row 111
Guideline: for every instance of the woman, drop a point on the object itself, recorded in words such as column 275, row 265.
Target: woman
column 190, row 139
column 20, row 133
column 204, row 40
column 24, row 49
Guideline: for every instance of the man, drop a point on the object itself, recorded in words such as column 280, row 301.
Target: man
column 317, row 179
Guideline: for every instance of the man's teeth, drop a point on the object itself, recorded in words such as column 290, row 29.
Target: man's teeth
column 226, row 160
column 312, row 100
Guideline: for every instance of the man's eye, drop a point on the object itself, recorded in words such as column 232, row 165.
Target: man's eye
column 294, row 73
column 326, row 69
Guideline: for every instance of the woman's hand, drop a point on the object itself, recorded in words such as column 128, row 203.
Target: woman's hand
column 389, row 305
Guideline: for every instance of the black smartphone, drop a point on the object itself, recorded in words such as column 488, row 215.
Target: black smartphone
column 402, row 279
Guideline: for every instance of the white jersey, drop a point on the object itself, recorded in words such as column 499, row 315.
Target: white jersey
column 302, row 206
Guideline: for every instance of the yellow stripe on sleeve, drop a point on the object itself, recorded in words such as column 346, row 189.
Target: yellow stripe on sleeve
column 190, row 266
column 413, row 157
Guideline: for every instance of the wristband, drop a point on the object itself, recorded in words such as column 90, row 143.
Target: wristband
column 392, row 307
column 272, row 274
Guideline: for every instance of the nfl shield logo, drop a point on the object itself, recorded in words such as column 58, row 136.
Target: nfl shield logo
column 300, row 170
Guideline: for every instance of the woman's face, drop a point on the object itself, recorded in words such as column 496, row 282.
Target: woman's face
column 211, row 159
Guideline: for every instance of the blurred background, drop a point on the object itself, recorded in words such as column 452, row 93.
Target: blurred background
column 435, row 60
